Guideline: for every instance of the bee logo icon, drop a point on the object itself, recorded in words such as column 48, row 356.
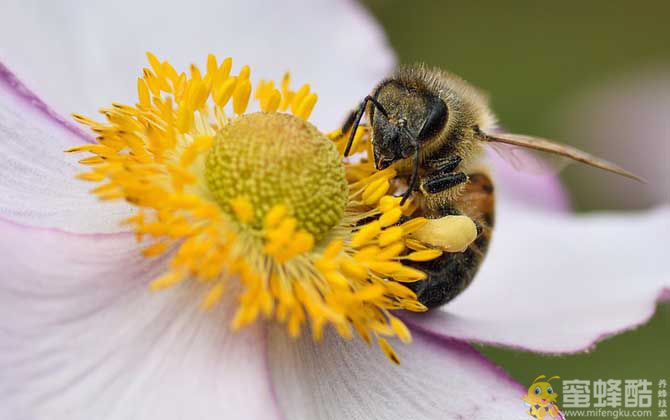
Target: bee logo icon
column 541, row 399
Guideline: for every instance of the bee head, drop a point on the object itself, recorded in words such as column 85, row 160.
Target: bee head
column 403, row 119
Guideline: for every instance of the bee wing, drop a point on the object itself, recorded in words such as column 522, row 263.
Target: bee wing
column 555, row 149
column 529, row 161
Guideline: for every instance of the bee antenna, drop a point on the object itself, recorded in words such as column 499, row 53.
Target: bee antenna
column 359, row 116
column 415, row 168
column 538, row 378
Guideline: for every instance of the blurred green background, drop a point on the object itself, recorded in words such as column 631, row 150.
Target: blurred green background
column 536, row 60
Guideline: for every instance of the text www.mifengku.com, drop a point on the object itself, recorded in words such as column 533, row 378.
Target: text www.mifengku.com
column 607, row 413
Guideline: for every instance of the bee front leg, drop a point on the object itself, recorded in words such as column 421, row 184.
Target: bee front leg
column 349, row 121
column 348, row 125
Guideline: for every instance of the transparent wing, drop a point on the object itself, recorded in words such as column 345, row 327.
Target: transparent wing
column 530, row 151
column 528, row 160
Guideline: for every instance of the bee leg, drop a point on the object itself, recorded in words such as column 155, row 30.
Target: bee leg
column 348, row 124
column 349, row 121
column 452, row 273
column 442, row 181
column 447, row 164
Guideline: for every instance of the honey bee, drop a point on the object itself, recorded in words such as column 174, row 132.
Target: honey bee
column 431, row 126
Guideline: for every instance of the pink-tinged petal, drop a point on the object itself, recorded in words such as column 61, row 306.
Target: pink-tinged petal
column 11, row 85
column 84, row 55
column 37, row 179
column 559, row 283
column 82, row 337
column 437, row 379
column 540, row 189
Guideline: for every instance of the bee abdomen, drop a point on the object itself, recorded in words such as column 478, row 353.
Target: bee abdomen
column 452, row 273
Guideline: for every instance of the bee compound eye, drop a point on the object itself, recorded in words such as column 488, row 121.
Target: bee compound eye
column 550, row 391
column 538, row 391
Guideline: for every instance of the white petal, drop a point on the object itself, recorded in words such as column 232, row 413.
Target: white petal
column 83, row 338
column 37, row 179
column 437, row 379
column 558, row 283
column 81, row 55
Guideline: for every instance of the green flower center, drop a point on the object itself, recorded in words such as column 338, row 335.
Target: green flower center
column 272, row 158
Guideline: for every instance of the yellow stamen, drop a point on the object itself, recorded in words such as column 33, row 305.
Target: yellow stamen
column 390, row 217
column 155, row 249
column 306, row 236
column 390, row 235
column 214, row 296
column 167, row 280
column 401, row 330
column 375, row 191
column 298, row 98
column 388, row 203
column 306, row 106
column 388, row 350
column 391, row 251
column 425, row 255
column 241, row 96
column 224, row 91
column 408, row 274
column 366, row 233
column 243, row 209
column 275, row 216
column 414, row 225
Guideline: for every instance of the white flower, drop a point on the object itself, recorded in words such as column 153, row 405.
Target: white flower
column 81, row 336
